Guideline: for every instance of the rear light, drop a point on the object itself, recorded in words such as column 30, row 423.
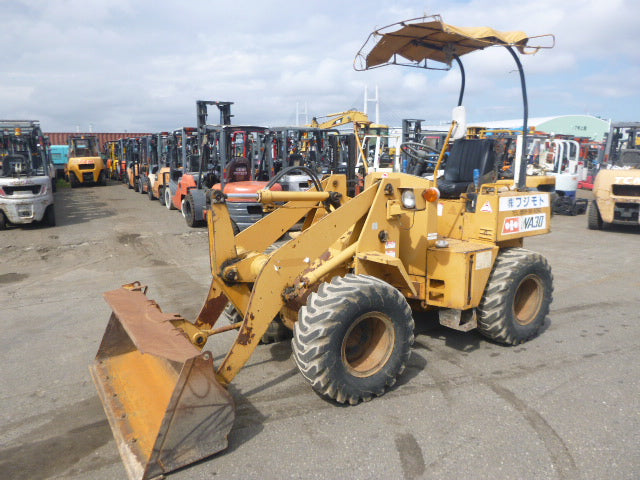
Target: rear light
column 2, row 194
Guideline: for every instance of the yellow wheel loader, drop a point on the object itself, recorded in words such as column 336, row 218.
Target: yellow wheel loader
column 346, row 284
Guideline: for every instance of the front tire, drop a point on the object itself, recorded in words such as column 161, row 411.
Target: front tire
column 73, row 180
column 161, row 195
column 594, row 219
column 517, row 297
column 353, row 338
column 49, row 218
column 3, row 221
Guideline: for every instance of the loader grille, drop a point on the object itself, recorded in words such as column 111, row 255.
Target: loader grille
column 86, row 166
column 626, row 190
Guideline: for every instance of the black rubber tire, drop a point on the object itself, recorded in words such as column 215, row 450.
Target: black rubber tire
column 353, row 338
column 594, row 219
column 150, row 191
column 73, row 180
column 102, row 179
column 236, row 228
column 49, row 217
column 517, row 297
column 141, row 186
column 135, row 184
column 161, row 195
column 276, row 332
column 3, row 221
column 167, row 199
column 188, row 212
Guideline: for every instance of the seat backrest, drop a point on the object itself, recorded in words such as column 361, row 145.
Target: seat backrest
column 467, row 155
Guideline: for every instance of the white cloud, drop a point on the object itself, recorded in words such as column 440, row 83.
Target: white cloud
column 140, row 65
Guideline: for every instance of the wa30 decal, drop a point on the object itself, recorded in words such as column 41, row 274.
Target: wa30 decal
column 524, row 223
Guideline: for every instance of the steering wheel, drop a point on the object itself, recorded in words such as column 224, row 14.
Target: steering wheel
column 420, row 152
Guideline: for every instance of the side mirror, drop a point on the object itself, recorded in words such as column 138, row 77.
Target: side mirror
column 459, row 115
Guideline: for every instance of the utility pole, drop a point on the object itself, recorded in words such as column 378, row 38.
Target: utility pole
column 367, row 100
column 306, row 116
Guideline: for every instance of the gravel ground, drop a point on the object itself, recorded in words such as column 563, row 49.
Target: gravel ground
column 565, row 405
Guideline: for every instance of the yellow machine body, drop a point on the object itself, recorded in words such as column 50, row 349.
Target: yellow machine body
column 85, row 169
column 617, row 195
column 152, row 377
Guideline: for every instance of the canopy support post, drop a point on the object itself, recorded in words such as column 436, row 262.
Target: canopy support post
column 462, row 81
column 522, row 174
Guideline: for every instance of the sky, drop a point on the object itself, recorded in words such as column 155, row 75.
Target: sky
column 140, row 65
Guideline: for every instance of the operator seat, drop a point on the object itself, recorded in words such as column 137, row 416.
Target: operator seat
column 466, row 155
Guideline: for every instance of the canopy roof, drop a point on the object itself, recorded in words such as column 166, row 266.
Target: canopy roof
column 429, row 38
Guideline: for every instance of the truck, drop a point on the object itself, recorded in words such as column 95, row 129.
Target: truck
column 616, row 187
column 59, row 157
column 26, row 175
column 85, row 165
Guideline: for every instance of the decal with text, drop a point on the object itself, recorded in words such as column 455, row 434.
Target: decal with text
column 524, row 223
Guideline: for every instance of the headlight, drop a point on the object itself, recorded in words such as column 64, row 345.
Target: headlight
column 408, row 199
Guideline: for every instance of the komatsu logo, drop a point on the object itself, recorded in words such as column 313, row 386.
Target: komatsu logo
column 524, row 223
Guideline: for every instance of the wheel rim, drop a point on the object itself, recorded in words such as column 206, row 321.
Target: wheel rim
column 368, row 344
column 185, row 207
column 528, row 299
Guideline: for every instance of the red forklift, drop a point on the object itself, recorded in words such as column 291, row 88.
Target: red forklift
column 183, row 168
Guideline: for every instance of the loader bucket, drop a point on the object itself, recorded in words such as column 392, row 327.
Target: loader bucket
column 163, row 402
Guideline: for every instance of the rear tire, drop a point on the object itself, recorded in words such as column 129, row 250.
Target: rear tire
column 594, row 219
column 517, row 297
column 150, row 191
column 353, row 338
column 161, row 195
column 167, row 199
column 3, row 221
column 276, row 332
column 236, row 228
column 189, row 212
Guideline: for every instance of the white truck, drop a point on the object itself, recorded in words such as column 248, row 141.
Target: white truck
column 26, row 175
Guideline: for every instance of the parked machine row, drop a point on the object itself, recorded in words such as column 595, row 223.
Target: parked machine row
column 180, row 167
